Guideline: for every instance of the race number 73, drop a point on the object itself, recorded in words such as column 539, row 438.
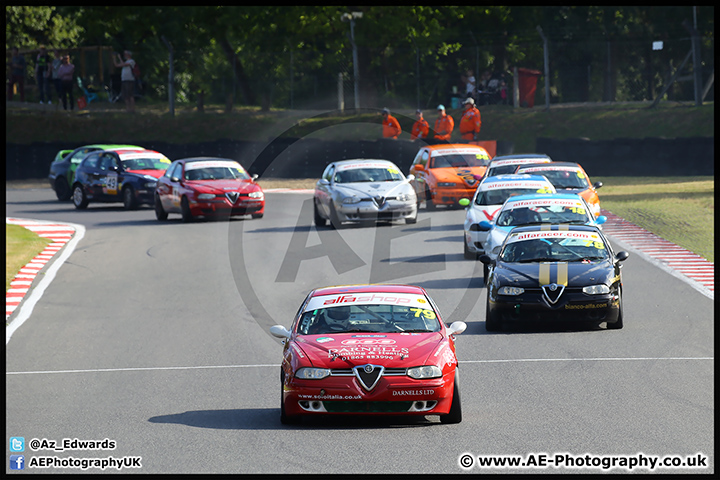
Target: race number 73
column 429, row 314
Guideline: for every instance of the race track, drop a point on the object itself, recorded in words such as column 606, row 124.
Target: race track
column 155, row 335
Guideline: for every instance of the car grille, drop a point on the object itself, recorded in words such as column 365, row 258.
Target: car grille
column 347, row 372
column 339, row 406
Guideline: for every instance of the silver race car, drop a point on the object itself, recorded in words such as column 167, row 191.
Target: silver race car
column 364, row 190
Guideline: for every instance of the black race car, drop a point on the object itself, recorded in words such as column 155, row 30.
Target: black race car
column 547, row 272
column 121, row 175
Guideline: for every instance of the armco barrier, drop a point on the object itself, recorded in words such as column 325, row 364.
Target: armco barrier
column 307, row 157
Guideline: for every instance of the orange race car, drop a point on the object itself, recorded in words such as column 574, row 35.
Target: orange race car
column 446, row 173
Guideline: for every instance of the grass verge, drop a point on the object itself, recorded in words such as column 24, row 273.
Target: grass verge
column 21, row 246
column 678, row 209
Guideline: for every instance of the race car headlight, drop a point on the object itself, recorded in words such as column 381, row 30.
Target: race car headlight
column 351, row 200
column 510, row 291
column 403, row 197
column 427, row 371
column 150, row 184
column 596, row 289
column 257, row 194
column 310, row 373
column 446, row 184
column 206, row 196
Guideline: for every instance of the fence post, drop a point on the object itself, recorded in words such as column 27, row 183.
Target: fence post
column 546, row 59
column 171, row 76
column 341, row 93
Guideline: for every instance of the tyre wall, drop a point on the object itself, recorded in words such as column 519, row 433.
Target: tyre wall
column 307, row 158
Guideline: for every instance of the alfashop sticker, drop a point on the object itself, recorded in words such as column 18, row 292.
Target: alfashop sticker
column 382, row 298
column 369, row 341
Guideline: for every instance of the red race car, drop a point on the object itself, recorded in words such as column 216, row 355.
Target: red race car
column 369, row 350
column 208, row 186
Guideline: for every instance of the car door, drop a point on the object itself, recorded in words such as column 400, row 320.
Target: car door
column 105, row 178
column 324, row 190
column 164, row 187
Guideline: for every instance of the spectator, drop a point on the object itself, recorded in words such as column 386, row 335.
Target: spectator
column 66, row 73
column 127, row 79
column 391, row 127
column 54, row 67
column 443, row 125
column 470, row 85
column 420, row 128
column 42, row 63
column 17, row 75
column 470, row 121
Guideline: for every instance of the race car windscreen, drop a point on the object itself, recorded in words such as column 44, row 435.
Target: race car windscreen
column 216, row 173
column 554, row 250
column 368, row 318
column 542, row 214
column 359, row 175
column 145, row 164
column 498, row 197
column 460, row 161
column 564, row 178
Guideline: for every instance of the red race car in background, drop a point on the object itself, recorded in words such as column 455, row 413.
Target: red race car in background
column 208, row 187
column 369, row 350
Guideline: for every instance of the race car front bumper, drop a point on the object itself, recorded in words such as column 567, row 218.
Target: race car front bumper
column 370, row 211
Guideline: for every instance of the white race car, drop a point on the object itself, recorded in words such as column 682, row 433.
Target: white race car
column 507, row 164
column 489, row 197
column 364, row 190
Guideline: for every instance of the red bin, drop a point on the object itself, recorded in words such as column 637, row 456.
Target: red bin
column 527, row 84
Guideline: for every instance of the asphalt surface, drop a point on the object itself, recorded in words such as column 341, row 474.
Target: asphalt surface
column 154, row 335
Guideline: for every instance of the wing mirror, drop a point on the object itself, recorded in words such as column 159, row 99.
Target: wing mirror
column 622, row 256
column 597, row 185
column 254, row 176
column 279, row 331
column 456, row 328
column 419, row 167
column 410, row 178
column 486, row 260
column 600, row 220
column 484, row 226
column 324, row 181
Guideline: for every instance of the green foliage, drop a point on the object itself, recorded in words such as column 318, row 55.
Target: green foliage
column 32, row 26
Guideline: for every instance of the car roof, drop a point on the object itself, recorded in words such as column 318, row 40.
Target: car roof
column 551, row 165
column 454, row 146
column 545, row 196
column 487, row 182
column 204, row 159
column 521, row 156
column 362, row 160
column 566, row 227
column 353, row 289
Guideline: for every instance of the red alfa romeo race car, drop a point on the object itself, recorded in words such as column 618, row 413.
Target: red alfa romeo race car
column 209, row 187
column 369, row 350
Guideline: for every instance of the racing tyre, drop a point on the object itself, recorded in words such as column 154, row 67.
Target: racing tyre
column 79, row 198
column 412, row 220
column 319, row 220
column 486, row 273
column 334, row 219
column 429, row 204
column 455, row 413
column 284, row 419
column 129, row 200
column 492, row 322
column 160, row 212
column 62, row 189
column 619, row 324
column 187, row 215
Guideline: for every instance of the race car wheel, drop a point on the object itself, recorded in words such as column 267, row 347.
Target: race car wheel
column 129, row 200
column 467, row 253
column 187, row 215
column 160, row 212
column 284, row 418
column 486, row 273
column 619, row 324
column 334, row 219
column 455, row 413
column 62, row 189
column 80, row 200
column 319, row 220
column 429, row 204
column 492, row 322
column 412, row 220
